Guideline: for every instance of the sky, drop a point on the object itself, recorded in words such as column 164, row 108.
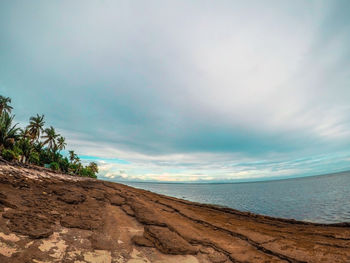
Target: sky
column 185, row 91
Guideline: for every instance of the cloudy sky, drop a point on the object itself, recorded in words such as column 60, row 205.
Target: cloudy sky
column 185, row 90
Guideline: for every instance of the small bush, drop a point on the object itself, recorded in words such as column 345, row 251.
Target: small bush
column 64, row 164
column 45, row 156
column 54, row 166
column 9, row 155
column 73, row 168
column 87, row 172
column 34, row 158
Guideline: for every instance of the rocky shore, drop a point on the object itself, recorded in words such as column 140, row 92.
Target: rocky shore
column 51, row 217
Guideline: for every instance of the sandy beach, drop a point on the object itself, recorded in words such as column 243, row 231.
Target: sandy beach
column 52, row 217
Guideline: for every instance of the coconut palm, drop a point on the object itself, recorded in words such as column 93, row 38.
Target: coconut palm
column 24, row 134
column 50, row 138
column 8, row 131
column 26, row 144
column 35, row 127
column 38, row 146
column 5, row 104
column 77, row 160
column 61, row 143
column 72, row 156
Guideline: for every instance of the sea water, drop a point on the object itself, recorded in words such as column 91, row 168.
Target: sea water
column 322, row 199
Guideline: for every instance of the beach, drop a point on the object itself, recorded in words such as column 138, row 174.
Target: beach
column 52, row 217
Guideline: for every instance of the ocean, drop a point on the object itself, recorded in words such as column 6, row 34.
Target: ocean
column 321, row 199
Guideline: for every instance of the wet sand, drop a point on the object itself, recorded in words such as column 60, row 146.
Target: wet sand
column 51, row 217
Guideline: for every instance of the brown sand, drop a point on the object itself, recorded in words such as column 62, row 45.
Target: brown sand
column 50, row 217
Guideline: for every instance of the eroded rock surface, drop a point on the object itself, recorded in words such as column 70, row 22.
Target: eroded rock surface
column 51, row 217
column 167, row 241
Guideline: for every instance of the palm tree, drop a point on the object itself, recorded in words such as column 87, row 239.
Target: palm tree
column 35, row 127
column 50, row 138
column 77, row 160
column 72, row 156
column 24, row 133
column 61, row 143
column 5, row 104
column 8, row 132
column 38, row 146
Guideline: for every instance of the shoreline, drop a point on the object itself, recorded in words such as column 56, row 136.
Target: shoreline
column 52, row 217
column 292, row 199
column 230, row 210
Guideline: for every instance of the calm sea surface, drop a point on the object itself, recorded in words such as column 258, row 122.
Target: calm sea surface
column 323, row 199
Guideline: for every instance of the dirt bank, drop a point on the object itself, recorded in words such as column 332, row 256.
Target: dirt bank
column 49, row 217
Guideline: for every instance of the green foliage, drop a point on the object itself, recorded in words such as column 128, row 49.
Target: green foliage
column 5, row 104
column 61, row 143
column 93, row 167
column 64, row 164
column 17, row 151
column 9, row 155
column 56, row 156
column 25, row 147
column 54, row 166
column 8, row 131
column 73, row 158
column 34, row 158
column 50, row 138
column 87, row 172
column 37, row 145
column 35, row 127
column 73, row 168
column 45, row 156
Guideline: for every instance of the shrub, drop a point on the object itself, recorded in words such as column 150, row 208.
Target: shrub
column 34, row 158
column 54, row 166
column 87, row 172
column 45, row 156
column 9, row 155
column 73, row 168
column 64, row 164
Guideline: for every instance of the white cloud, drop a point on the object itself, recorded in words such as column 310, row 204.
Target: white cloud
column 184, row 90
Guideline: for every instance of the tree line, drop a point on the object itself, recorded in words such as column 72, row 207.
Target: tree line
column 37, row 144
